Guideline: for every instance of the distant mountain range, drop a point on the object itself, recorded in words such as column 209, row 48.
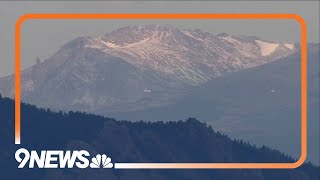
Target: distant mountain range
column 134, row 68
column 125, row 141
column 244, row 86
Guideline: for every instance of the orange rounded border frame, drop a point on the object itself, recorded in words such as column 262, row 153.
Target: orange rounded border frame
column 303, row 97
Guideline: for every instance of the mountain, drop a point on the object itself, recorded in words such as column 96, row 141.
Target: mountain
column 127, row 141
column 134, row 68
column 260, row 105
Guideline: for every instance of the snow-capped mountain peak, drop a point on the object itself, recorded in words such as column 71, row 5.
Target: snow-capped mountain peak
column 115, row 69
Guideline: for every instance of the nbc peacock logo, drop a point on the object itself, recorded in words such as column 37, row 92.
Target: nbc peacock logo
column 101, row 161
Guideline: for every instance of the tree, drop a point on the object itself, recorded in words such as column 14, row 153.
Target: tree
column 38, row 61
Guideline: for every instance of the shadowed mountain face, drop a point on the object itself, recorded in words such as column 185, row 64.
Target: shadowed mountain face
column 125, row 141
column 261, row 105
column 135, row 68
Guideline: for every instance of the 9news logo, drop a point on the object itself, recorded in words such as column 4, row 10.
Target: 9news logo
column 61, row 159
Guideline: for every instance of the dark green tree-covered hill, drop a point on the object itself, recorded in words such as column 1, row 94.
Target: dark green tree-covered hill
column 125, row 141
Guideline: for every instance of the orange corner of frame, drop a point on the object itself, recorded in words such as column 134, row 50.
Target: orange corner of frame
column 295, row 17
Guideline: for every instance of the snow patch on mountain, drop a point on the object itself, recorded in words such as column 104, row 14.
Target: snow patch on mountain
column 188, row 34
column 289, row 45
column 267, row 48
column 110, row 45
column 231, row 40
column 139, row 43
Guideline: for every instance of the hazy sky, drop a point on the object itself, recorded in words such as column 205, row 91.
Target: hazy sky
column 44, row 37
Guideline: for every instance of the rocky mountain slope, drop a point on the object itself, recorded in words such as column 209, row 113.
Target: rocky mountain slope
column 134, row 68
